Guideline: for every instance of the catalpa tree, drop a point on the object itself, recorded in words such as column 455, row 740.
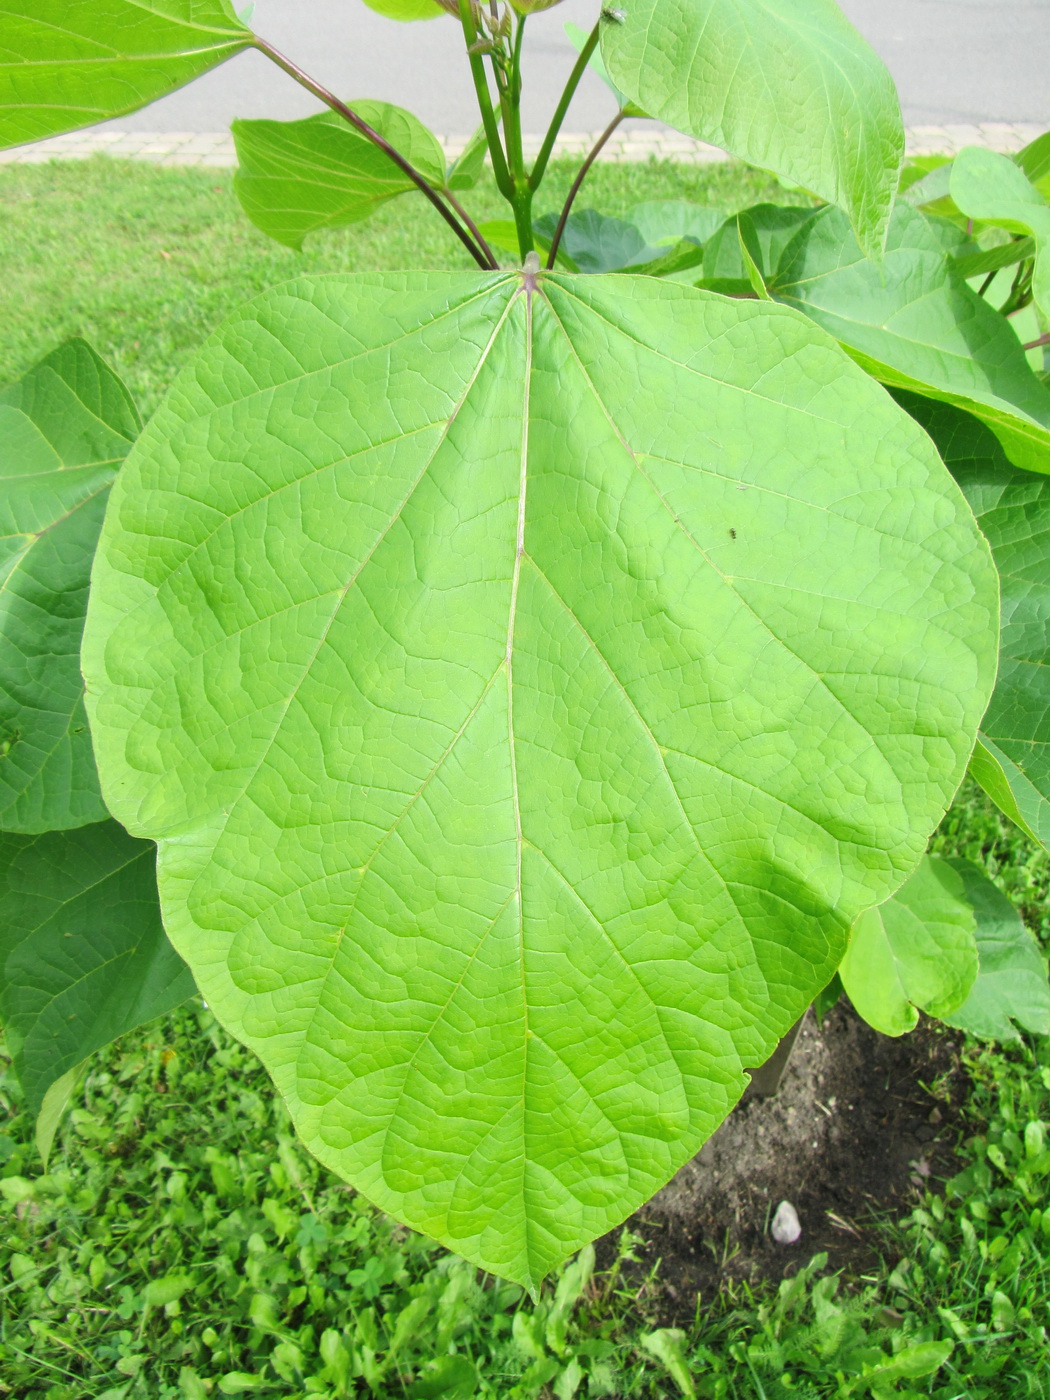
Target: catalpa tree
column 503, row 691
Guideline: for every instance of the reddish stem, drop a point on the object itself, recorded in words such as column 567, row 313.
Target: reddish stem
column 482, row 256
column 574, row 191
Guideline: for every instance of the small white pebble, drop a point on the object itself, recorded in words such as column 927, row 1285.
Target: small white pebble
column 786, row 1228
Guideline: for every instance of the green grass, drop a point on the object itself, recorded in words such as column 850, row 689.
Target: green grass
column 182, row 1244
column 144, row 261
column 182, row 1240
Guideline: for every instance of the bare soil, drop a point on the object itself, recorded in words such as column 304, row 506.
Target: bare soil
column 860, row 1125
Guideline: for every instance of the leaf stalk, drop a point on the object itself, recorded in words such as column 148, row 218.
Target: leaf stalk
column 574, row 191
column 577, row 73
column 481, row 253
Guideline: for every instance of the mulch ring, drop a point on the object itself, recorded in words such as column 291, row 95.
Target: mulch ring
column 860, row 1125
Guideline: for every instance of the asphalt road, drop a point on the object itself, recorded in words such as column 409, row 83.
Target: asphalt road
column 954, row 61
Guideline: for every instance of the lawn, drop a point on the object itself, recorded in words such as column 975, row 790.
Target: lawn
column 181, row 1243
column 145, row 261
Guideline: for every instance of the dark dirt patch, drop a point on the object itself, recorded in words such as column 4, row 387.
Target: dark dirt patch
column 853, row 1131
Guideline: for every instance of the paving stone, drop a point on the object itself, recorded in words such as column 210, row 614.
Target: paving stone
column 217, row 149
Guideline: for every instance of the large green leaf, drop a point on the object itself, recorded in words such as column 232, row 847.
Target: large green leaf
column 1012, row 759
column 1011, row 984
column 83, row 955
column 69, row 63
column 64, row 430
column 298, row 177
column 991, row 187
column 917, row 951
column 915, row 324
column 785, row 84
column 527, row 690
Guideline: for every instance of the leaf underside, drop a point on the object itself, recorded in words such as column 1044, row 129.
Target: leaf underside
column 300, row 176
column 1012, row 760
column 1011, row 985
column 65, row 64
column 64, row 430
column 914, row 952
column 788, row 85
column 914, row 324
column 83, row 955
column 527, row 691
column 406, row 11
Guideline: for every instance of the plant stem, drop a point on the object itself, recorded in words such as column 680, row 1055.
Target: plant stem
column 562, row 107
column 1020, row 293
column 574, row 191
column 420, row 181
column 1035, row 344
column 510, row 103
column 510, row 100
column 488, row 116
column 987, row 282
column 519, row 34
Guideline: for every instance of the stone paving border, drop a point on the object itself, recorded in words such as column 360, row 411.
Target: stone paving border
column 216, row 149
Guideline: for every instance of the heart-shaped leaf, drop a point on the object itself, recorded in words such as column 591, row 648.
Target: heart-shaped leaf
column 917, row 951
column 297, row 177
column 83, row 955
column 1011, row 983
column 65, row 64
column 64, row 430
column 788, row 85
column 528, row 680
column 915, row 324
column 1012, row 758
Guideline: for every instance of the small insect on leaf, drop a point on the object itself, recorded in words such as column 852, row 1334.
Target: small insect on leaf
column 614, row 16
column 732, row 534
